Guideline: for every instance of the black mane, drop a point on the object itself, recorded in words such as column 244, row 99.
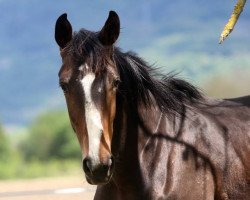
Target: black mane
column 139, row 80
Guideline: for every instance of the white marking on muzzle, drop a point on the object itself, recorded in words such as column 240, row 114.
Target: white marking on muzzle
column 93, row 119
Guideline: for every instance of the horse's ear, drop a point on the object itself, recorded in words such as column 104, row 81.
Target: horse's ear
column 63, row 31
column 111, row 29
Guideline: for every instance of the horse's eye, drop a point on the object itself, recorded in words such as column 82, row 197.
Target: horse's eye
column 64, row 87
column 116, row 83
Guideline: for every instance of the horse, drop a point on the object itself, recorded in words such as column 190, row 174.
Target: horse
column 145, row 135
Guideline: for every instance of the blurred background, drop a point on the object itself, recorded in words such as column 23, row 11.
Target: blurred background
column 182, row 36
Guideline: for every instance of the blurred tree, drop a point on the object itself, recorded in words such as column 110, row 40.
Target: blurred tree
column 228, row 86
column 4, row 146
column 51, row 137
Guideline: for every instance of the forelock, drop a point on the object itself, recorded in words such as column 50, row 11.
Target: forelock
column 86, row 48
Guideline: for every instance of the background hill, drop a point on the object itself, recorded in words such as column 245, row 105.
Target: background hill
column 176, row 35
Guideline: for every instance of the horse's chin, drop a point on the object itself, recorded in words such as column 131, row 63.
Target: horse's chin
column 96, row 181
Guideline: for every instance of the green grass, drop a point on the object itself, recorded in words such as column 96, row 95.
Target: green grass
column 18, row 169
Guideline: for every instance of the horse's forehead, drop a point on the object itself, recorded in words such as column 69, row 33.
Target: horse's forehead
column 85, row 69
column 68, row 68
column 88, row 79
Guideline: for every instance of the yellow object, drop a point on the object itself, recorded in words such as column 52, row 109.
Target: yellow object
column 233, row 19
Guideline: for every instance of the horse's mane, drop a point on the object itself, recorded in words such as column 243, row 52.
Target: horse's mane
column 139, row 80
column 142, row 80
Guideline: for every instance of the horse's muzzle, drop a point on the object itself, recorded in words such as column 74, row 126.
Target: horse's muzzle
column 100, row 173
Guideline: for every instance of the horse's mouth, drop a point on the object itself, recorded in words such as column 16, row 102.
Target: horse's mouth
column 99, row 175
column 98, row 180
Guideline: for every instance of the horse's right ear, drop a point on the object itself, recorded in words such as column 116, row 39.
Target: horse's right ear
column 63, row 31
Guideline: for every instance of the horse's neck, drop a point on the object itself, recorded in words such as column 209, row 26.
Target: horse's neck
column 133, row 128
column 134, row 124
column 125, row 130
column 134, row 133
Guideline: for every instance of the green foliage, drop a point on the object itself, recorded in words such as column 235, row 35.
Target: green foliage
column 5, row 149
column 51, row 137
column 49, row 148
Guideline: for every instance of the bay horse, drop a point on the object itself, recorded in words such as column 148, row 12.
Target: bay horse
column 144, row 135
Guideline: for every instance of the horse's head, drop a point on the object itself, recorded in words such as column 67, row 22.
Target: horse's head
column 89, row 80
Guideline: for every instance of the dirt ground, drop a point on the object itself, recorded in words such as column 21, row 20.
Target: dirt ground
column 59, row 188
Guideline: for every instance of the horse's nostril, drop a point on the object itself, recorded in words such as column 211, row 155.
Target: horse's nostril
column 86, row 165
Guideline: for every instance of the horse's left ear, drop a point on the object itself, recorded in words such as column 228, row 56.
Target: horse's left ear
column 111, row 30
column 63, row 31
